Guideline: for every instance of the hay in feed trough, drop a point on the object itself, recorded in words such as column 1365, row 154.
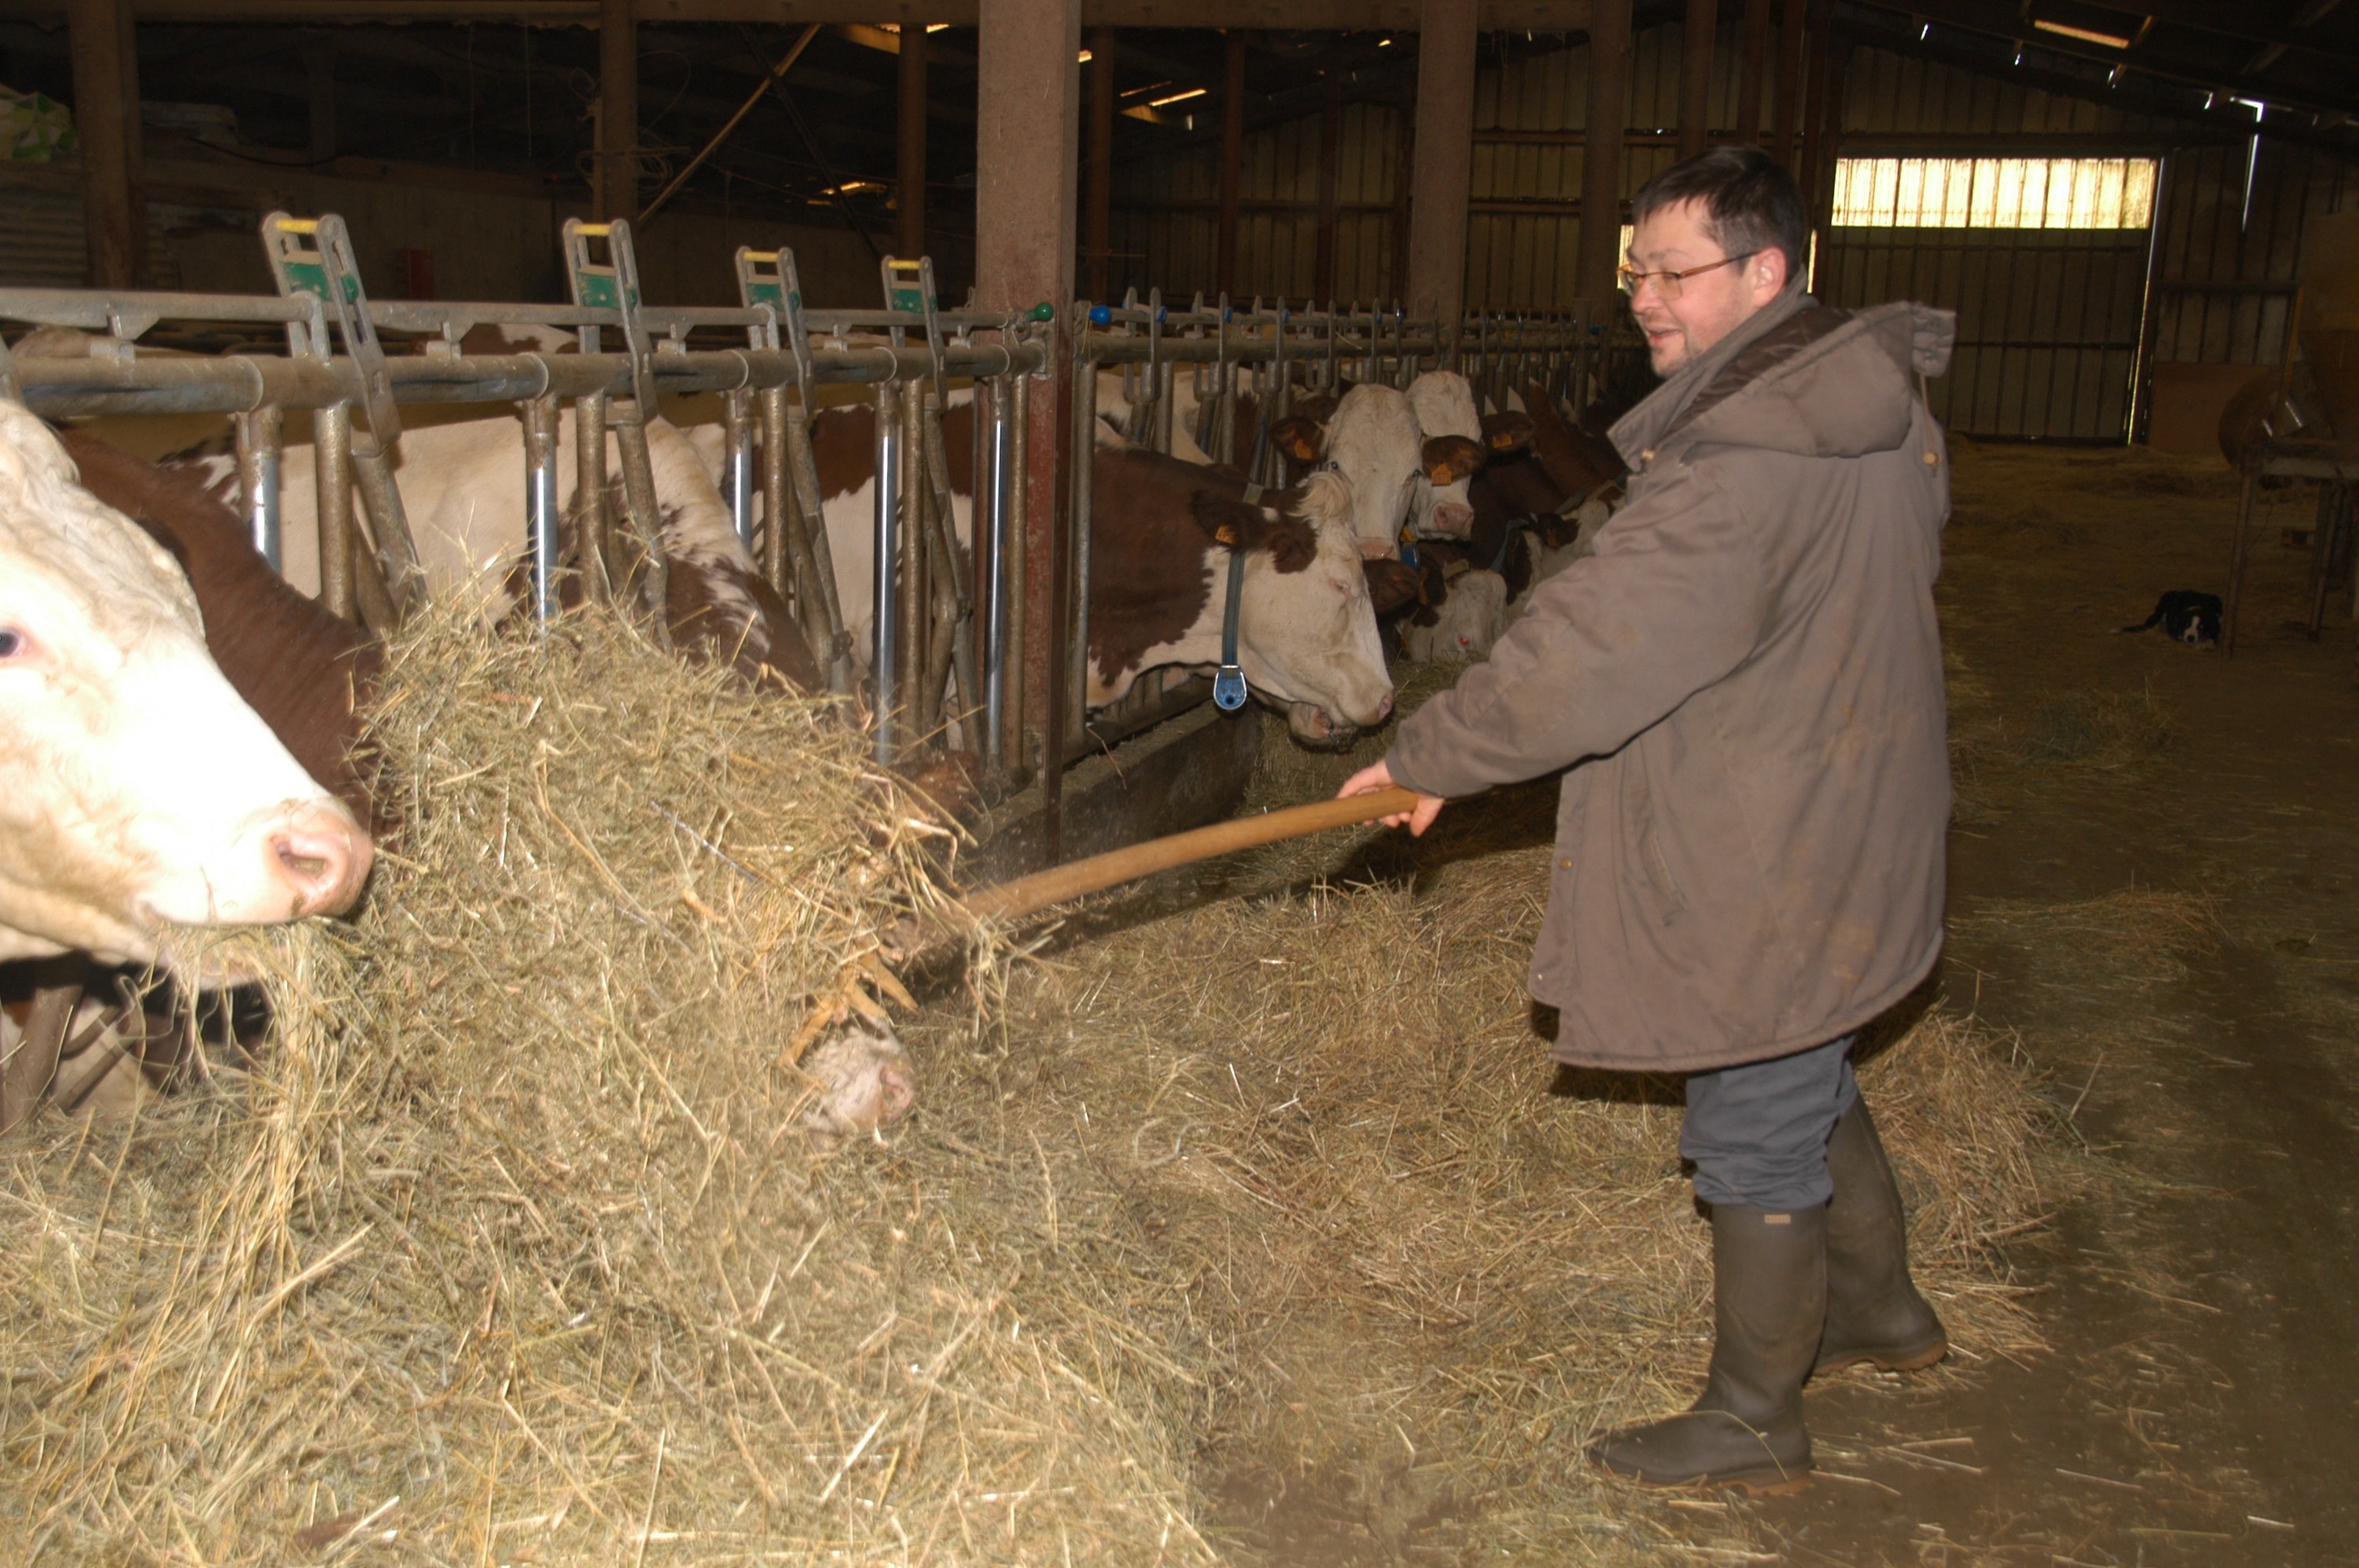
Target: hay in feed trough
column 512, row 1247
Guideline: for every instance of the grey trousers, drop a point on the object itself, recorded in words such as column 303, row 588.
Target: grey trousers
column 1758, row 1133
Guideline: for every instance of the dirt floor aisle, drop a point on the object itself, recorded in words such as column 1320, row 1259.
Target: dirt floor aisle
column 2201, row 1402
column 2152, row 886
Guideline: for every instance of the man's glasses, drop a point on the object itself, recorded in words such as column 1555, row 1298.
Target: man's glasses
column 1667, row 284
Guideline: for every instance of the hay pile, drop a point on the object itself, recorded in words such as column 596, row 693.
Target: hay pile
column 1418, row 1279
column 512, row 1248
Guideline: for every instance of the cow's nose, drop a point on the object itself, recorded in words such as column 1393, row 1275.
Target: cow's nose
column 323, row 856
column 1383, row 707
column 1449, row 517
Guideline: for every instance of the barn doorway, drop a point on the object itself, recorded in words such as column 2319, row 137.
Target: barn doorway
column 2046, row 261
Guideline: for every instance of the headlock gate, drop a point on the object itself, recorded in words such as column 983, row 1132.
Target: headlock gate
column 948, row 616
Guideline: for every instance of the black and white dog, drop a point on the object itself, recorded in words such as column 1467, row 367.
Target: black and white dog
column 2185, row 616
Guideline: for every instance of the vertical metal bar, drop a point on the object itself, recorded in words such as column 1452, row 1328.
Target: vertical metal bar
column 259, row 444
column 593, row 552
column 916, row 624
column 647, row 518
column 883, row 608
column 952, row 662
column 389, row 576
column 1015, row 547
column 991, row 533
column 1167, row 404
column 737, row 443
column 541, row 543
column 781, row 571
column 1084, row 483
column 806, row 522
column 331, row 443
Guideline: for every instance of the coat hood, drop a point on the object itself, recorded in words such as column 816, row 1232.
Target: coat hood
column 1798, row 378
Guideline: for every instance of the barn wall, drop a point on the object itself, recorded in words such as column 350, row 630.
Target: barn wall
column 490, row 239
column 2057, row 324
column 1524, row 228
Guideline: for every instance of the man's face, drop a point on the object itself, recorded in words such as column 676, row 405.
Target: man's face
column 1710, row 305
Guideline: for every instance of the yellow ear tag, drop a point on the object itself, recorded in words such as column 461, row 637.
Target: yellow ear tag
column 1228, row 535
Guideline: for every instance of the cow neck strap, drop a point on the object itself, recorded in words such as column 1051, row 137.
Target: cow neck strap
column 1229, row 684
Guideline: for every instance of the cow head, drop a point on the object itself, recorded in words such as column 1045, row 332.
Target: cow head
column 137, row 792
column 1307, row 633
column 1374, row 445
column 1439, row 507
column 1453, row 447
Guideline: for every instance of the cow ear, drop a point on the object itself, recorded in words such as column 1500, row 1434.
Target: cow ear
column 1293, row 545
column 1507, row 432
column 1226, row 521
column 1298, row 437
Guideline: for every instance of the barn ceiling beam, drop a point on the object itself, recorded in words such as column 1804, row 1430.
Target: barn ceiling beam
column 1999, row 20
column 1905, row 39
column 2226, row 21
column 2007, row 20
column 1390, row 16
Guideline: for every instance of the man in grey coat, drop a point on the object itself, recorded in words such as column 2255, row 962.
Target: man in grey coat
column 1744, row 686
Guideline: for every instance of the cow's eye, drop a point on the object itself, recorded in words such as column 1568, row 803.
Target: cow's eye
column 12, row 641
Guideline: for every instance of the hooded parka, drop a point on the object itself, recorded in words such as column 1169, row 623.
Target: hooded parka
column 1744, row 685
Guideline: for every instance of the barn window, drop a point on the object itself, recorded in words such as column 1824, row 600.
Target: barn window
column 1993, row 192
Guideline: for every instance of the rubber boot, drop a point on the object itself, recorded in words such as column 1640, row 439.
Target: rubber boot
column 1770, row 1300
column 1874, row 1313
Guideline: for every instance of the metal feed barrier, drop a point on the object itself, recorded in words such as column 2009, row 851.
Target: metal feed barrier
column 932, row 618
column 947, row 621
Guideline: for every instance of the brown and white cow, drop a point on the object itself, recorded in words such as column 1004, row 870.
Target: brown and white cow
column 310, row 677
column 137, row 792
column 463, row 486
column 1159, row 572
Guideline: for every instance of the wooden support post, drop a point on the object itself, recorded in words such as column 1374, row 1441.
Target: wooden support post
column 1695, row 76
column 1099, row 231
column 1233, row 152
column 135, row 157
column 1814, row 101
column 1028, row 133
column 1750, row 74
column 617, row 194
column 1330, row 137
column 909, row 186
column 99, row 41
column 1600, row 177
column 1404, row 159
column 1789, row 82
column 1444, row 163
column 1824, row 129
column 320, row 94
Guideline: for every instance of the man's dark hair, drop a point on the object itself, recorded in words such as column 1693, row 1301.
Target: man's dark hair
column 1750, row 202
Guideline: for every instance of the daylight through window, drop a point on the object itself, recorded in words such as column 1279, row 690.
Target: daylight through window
column 1995, row 192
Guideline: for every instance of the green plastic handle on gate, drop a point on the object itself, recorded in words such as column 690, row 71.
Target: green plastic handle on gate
column 1044, row 312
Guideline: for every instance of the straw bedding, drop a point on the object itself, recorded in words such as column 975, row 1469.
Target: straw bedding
column 514, row 1246
column 1427, row 1265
